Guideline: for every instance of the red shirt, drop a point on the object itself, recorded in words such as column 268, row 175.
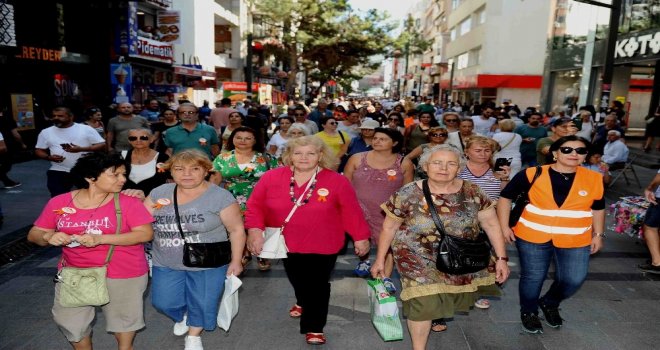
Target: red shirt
column 317, row 227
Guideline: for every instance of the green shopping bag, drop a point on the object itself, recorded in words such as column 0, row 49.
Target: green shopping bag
column 384, row 312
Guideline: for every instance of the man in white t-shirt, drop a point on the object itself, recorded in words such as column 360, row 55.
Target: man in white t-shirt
column 484, row 122
column 62, row 144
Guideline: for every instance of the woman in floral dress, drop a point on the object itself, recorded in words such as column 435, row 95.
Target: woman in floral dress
column 427, row 293
column 240, row 166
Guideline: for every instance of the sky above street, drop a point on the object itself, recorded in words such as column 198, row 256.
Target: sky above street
column 396, row 8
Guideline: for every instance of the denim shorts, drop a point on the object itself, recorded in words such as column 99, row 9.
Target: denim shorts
column 652, row 218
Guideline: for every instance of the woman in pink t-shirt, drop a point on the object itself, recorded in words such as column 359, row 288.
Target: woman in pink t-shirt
column 327, row 208
column 84, row 223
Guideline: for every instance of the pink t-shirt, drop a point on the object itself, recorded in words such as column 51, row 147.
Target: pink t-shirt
column 126, row 261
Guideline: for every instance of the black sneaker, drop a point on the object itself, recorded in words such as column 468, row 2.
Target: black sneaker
column 649, row 267
column 552, row 317
column 531, row 323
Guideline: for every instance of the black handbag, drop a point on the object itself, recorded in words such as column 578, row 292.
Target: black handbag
column 202, row 255
column 457, row 256
column 522, row 200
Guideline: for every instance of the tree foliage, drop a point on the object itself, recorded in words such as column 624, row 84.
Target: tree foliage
column 326, row 38
column 411, row 39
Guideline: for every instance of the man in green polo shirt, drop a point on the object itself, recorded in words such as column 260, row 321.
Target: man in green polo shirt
column 190, row 134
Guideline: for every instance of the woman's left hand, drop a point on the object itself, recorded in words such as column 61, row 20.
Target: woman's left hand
column 596, row 244
column 134, row 193
column 361, row 247
column 89, row 240
column 501, row 271
column 235, row 268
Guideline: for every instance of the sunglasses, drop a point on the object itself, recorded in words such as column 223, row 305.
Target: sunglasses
column 135, row 138
column 451, row 120
column 437, row 134
column 579, row 150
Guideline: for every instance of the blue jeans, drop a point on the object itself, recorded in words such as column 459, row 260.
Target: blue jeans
column 571, row 266
column 196, row 293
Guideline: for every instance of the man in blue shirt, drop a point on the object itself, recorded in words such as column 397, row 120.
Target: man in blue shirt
column 152, row 112
column 319, row 112
column 191, row 134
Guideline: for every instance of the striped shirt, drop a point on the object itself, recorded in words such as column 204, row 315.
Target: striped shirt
column 487, row 182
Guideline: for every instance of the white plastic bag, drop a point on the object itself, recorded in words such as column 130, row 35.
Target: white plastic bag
column 274, row 244
column 229, row 302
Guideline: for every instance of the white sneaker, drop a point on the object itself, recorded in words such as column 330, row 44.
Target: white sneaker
column 181, row 328
column 193, row 343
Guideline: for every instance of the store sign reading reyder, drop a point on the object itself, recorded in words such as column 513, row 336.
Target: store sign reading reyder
column 638, row 45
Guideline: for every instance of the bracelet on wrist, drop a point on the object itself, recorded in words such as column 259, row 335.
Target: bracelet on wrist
column 505, row 258
column 600, row 235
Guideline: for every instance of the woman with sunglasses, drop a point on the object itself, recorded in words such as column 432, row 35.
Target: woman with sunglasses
column 143, row 164
column 564, row 221
column 416, row 134
column 395, row 121
column 436, row 136
column 337, row 140
column 235, row 122
column 451, row 121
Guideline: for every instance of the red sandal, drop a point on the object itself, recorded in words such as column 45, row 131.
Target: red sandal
column 296, row 311
column 315, row 338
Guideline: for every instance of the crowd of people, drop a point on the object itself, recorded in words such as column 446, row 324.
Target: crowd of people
column 343, row 170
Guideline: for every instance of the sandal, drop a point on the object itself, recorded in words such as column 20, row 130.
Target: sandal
column 315, row 338
column 482, row 304
column 246, row 260
column 264, row 264
column 296, row 311
column 438, row 325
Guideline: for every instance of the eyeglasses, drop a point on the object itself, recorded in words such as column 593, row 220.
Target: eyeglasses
column 135, row 138
column 579, row 150
column 438, row 134
column 451, row 120
column 188, row 112
column 439, row 164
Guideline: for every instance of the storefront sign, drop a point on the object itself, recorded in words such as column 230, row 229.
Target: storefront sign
column 638, row 45
column 23, row 109
column 40, row 54
column 238, row 86
column 153, row 50
column 65, row 88
column 168, row 26
column 193, row 72
column 121, row 79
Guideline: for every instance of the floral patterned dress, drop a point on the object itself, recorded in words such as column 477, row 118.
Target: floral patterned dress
column 415, row 245
column 240, row 182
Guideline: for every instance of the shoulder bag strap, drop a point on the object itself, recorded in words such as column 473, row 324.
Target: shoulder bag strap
column 118, row 231
column 300, row 199
column 536, row 176
column 508, row 143
column 176, row 214
column 432, row 210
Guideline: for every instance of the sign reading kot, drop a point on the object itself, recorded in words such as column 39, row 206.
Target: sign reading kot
column 641, row 44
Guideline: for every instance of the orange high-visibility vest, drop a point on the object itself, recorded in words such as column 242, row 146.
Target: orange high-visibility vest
column 568, row 226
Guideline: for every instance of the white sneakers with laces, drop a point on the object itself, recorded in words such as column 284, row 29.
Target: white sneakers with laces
column 181, row 328
column 193, row 343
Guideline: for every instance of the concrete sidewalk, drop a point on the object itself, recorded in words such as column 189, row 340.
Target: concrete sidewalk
column 617, row 308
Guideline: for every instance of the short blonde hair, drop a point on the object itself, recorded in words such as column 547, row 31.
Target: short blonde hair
column 506, row 124
column 328, row 159
column 481, row 141
column 188, row 157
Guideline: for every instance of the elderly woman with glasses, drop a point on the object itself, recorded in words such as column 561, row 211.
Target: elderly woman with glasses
column 436, row 136
column 409, row 230
column 564, row 222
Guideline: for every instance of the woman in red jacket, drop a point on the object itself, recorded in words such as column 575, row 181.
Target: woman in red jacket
column 315, row 233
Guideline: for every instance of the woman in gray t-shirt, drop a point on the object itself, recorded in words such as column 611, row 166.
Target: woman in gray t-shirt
column 207, row 214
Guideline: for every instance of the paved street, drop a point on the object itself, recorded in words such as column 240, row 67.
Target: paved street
column 617, row 308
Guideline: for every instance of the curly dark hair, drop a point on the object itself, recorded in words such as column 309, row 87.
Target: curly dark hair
column 92, row 165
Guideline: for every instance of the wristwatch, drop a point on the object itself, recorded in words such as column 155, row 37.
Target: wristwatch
column 601, row 235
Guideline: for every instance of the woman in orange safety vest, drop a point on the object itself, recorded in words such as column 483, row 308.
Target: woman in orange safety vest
column 564, row 221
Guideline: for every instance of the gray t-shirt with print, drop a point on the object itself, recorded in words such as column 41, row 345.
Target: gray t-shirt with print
column 200, row 221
